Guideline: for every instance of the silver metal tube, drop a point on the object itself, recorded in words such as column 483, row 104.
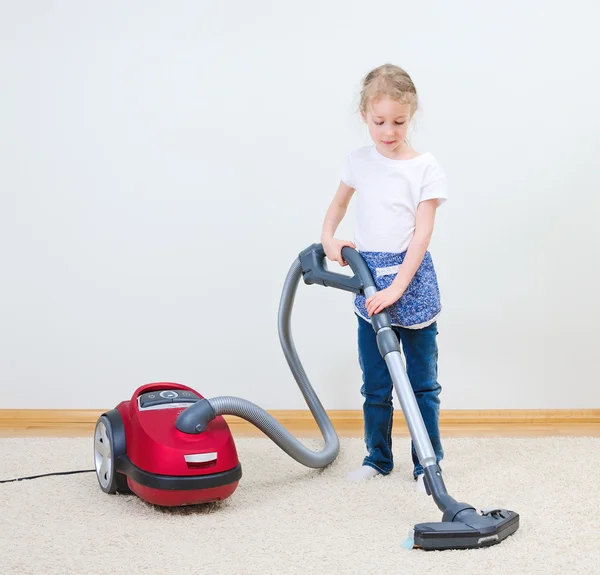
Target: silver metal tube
column 412, row 413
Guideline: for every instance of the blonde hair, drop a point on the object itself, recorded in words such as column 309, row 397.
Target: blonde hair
column 388, row 81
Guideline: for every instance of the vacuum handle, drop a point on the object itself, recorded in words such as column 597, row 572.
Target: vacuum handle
column 314, row 270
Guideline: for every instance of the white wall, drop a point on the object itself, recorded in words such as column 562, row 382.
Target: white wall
column 163, row 163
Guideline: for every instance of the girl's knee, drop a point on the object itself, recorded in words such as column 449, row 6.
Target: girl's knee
column 377, row 397
column 428, row 389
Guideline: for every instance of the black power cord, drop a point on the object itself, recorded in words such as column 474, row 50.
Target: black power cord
column 48, row 474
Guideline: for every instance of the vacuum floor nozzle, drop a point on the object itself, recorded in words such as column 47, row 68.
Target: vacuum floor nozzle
column 468, row 530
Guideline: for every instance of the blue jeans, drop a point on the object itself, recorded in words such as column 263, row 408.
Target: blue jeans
column 421, row 354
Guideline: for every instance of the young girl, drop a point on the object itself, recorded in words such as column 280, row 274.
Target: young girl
column 398, row 192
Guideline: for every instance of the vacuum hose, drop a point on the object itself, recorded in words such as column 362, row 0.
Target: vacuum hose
column 196, row 417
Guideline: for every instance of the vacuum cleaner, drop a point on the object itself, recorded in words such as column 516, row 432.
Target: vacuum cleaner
column 171, row 446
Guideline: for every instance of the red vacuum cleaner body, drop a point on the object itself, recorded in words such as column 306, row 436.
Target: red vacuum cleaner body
column 138, row 448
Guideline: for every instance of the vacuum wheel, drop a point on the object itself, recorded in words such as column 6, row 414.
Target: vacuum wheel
column 104, row 458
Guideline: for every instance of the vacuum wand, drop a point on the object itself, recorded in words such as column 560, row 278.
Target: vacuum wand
column 462, row 527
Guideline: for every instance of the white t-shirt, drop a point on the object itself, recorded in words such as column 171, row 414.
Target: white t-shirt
column 388, row 193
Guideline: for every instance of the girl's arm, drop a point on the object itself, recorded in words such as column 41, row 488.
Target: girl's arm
column 335, row 214
column 412, row 260
column 418, row 245
column 336, row 211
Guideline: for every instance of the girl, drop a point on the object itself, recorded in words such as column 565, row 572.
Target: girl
column 398, row 192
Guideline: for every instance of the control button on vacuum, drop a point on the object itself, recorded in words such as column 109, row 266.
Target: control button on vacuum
column 168, row 394
column 153, row 398
column 187, row 397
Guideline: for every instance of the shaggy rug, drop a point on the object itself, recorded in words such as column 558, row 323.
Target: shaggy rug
column 285, row 518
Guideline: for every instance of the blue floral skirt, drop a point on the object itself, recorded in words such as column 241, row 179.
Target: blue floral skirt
column 420, row 304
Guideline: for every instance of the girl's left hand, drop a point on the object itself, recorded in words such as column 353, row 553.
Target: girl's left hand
column 383, row 299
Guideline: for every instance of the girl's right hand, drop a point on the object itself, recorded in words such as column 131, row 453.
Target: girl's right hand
column 333, row 250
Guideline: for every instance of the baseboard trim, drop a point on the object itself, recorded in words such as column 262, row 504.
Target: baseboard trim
column 20, row 419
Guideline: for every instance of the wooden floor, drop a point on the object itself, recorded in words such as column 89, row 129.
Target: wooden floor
column 242, row 429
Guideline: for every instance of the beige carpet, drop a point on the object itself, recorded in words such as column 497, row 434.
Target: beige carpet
column 285, row 518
